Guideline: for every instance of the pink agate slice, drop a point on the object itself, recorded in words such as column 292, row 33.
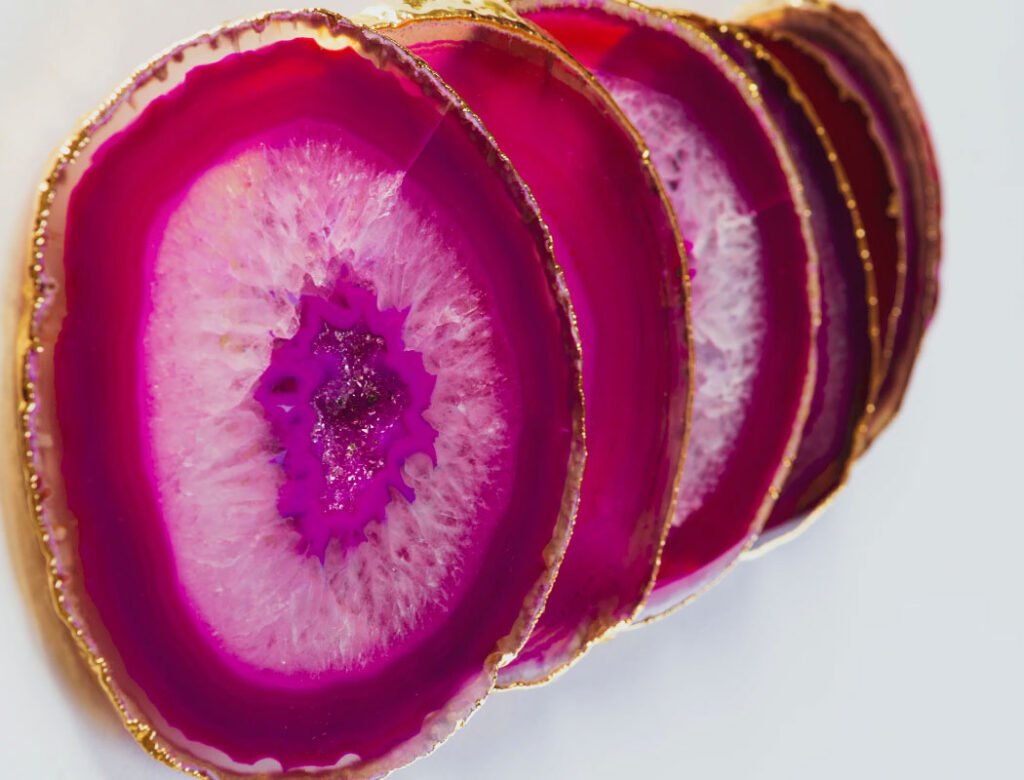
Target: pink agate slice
column 615, row 240
column 753, row 277
column 865, row 70
column 307, row 381
column 870, row 177
column 848, row 337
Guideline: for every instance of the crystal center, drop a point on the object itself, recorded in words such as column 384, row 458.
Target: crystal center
column 345, row 401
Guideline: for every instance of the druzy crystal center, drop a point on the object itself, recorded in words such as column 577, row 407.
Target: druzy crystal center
column 345, row 400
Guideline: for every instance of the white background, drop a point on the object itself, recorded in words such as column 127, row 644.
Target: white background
column 887, row 642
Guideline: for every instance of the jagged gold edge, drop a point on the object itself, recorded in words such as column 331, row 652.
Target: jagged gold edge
column 396, row 14
column 28, row 345
column 501, row 16
column 768, row 21
column 798, row 526
column 921, row 162
column 906, row 97
column 696, row 25
column 860, row 27
column 691, row 28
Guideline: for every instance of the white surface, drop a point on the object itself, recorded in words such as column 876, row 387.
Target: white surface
column 887, row 642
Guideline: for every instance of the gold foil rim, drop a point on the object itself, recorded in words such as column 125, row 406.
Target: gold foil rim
column 862, row 42
column 691, row 28
column 502, row 17
column 767, row 22
column 29, row 346
column 800, row 525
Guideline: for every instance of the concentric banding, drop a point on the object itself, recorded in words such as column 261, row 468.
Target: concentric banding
column 615, row 238
column 754, row 282
column 846, row 49
column 294, row 391
column 848, row 340
column 292, row 272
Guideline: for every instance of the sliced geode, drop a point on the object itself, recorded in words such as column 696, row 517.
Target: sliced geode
column 849, row 350
column 301, row 379
column 823, row 42
column 739, row 205
column 615, row 238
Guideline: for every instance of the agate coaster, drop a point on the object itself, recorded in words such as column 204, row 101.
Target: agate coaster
column 824, row 41
column 849, row 348
column 300, row 377
column 615, row 238
column 739, row 205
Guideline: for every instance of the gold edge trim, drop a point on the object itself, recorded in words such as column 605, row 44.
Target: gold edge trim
column 697, row 24
column 765, row 24
column 858, row 26
column 798, row 526
column 772, row 21
column 691, row 29
column 913, row 135
column 597, row 630
column 28, row 345
column 604, row 630
column 491, row 11
column 383, row 24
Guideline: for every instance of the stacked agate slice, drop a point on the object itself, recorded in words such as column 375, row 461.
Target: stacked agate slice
column 373, row 364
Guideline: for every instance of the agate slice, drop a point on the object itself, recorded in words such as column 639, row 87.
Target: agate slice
column 848, row 339
column 754, row 280
column 825, row 41
column 301, row 405
column 615, row 238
